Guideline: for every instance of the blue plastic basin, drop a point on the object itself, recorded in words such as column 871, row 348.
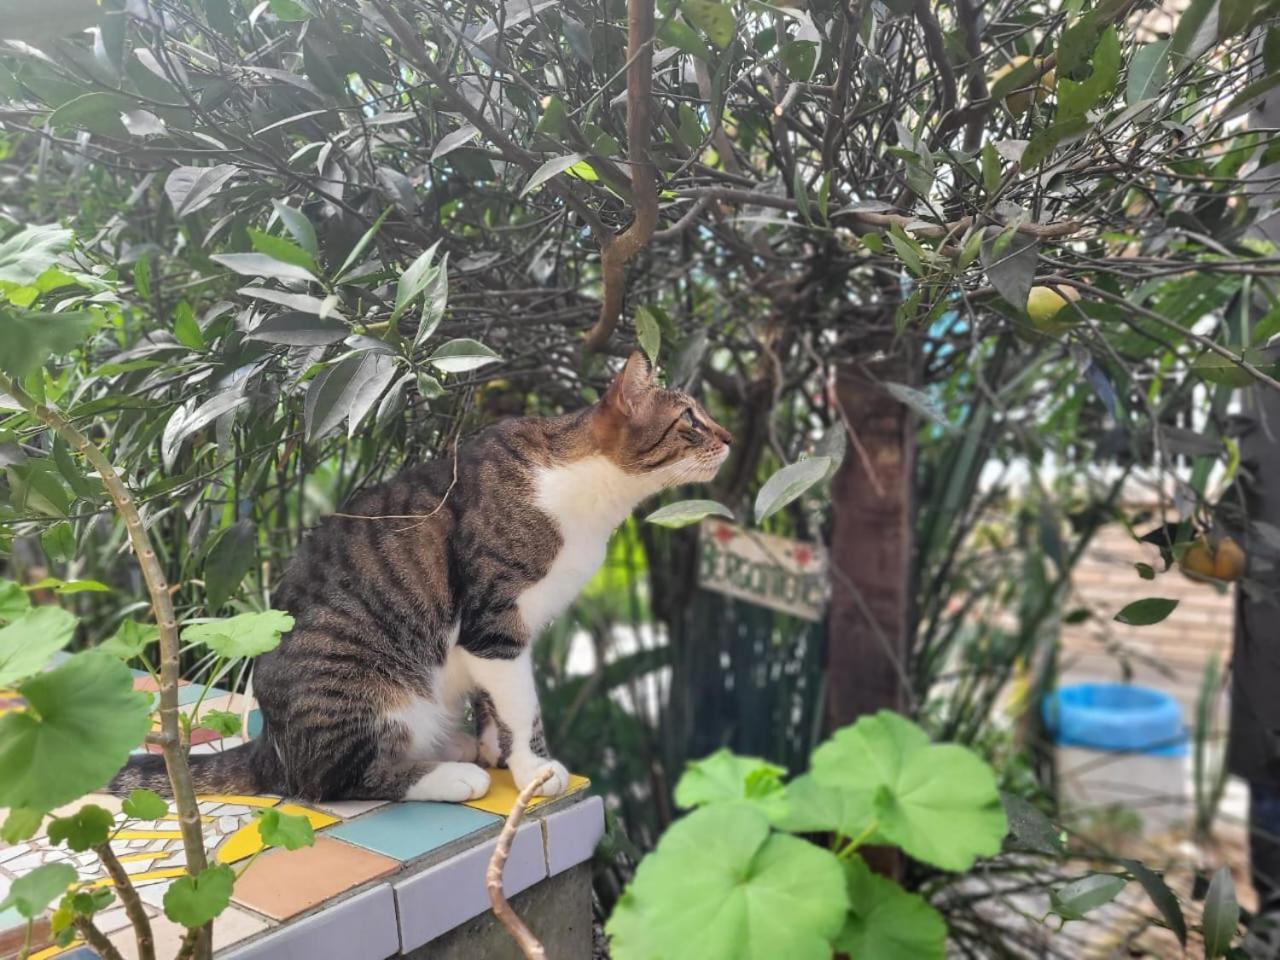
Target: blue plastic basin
column 1117, row 717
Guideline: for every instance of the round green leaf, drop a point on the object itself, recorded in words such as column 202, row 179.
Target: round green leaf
column 21, row 824
column 224, row 722
column 130, row 639
column 194, row 901
column 811, row 807
column 887, row 923
column 144, row 805
column 82, row 720
column 86, row 828
column 719, row 886
column 27, row 644
column 245, row 635
column 288, row 830
column 14, row 601
column 684, row 512
column 938, row 802
column 32, row 892
column 727, row 777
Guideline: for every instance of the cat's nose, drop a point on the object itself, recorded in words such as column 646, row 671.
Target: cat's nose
column 724, row 436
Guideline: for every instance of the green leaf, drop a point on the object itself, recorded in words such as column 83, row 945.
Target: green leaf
column 726, row 777
column 788, row 483
column 14, row 602
column 230, row 558
column 1148, row 71
column 98, row 112
column 84, row 829
column 194, row 901
column 938, row 802
column 1143, row 613
column 285, row 251
column 921, row 403
column 1161, row 896
column 27, row 643
column 223, row 722
column 193, row 188
column 1075, row 99
column 1221, row 914
column 83, row 719
column 684, row 512
column 675, row 33
column 32, row 250
column 64, row 587
column 185, row 328
column 1076, row 899
column 1196, row 31
column 144, row 805
column 452, row 141
column 811, row 807
column 244, row 635
column 288, row 830
column 720, row 887
column 462, row 355
column 414, row 280
column 262, row 265
column 347, row 391
column 435, row 297
column 32, row 892
column 298, row 225
column 887, row 923
column 361, row 245
column 1012, row 269
column 648, row 333
column 1030, row 831
column 990, row 174
column 1215, row 368
column 130, row 640
column 21, row 824
column 32, row 338
column 550, row 169
column 289, row 10
column 714, row 19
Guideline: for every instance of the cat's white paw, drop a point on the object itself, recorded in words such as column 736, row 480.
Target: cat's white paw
column 451, row 782
column 524, row 772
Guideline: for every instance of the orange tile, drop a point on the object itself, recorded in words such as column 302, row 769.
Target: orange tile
column 282, row 883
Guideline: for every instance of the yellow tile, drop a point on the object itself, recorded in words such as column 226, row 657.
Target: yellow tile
column 48, row 953
column 247, row 841
column 237, row 799
column 166, row 873
column 503, row 793
column 144, row 857
column 317, row 818
column 149, row 835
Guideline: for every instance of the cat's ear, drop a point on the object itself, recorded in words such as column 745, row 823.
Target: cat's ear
column 633, row 381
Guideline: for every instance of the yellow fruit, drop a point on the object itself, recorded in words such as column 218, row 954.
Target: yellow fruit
column 1044, row 307
column 1204, row 561
column 1019, row 101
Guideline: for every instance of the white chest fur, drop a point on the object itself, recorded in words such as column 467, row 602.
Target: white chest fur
column 588, row 499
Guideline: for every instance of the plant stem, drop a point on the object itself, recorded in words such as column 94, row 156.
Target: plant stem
column 175, row 759
column 96, row 939
column 130, row 900
column 851, row 847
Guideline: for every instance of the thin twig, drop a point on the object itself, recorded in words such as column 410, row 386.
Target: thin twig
column 615, row 253
column 130, row 900
column 105, row 949
column 523, row 936
column 175, row 759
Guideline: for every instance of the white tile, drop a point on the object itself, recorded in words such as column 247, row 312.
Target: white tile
column 360, row 928
column 572, row 834
column 346, row 809
column 441, row 897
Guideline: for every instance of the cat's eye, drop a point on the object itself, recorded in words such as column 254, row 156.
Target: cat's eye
column 689, row 418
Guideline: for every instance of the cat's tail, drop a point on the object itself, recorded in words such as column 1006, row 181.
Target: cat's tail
column 230, row 771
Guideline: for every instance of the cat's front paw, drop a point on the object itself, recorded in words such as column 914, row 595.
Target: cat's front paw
column 525, row 772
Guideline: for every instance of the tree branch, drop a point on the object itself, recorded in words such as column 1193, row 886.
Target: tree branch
column 130, row 900
column 644, row 175
column 175, row 759
column 96, row 939
column 523, row 936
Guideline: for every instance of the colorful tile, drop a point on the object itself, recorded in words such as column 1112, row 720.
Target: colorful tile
column 452, row 892
column 247, row 840
column 283, row 883
column 503, row 793
column 572, row 834
column 346, row 809
column 232, row 926
column 362, row 927
column 408, row 830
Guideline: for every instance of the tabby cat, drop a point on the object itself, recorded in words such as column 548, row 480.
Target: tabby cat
column 416, row 606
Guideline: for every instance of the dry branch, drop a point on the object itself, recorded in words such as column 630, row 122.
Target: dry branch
column 522, row 935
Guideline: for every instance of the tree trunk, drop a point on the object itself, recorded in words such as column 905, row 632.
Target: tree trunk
column 871, row 546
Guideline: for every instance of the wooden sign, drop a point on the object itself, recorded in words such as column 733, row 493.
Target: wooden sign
column 786, row 575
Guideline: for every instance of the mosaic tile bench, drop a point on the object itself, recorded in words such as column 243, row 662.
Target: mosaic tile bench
column 382, row 878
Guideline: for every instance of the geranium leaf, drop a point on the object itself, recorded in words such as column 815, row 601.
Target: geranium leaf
column 244, row 635
column 288, row 830
column 27, row 644
column 726, row 777
column 194, row 901
column 886, row 922
column 32, row 892
column 144, row 805
column 86, row 828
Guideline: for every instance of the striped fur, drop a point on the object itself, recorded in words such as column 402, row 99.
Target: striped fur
column 405, row 628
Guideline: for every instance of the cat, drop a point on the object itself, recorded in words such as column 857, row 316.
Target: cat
column 420, row 600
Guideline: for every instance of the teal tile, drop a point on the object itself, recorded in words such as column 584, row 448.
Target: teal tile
column 408, row 830
column 11, row 918
column 253, row 726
